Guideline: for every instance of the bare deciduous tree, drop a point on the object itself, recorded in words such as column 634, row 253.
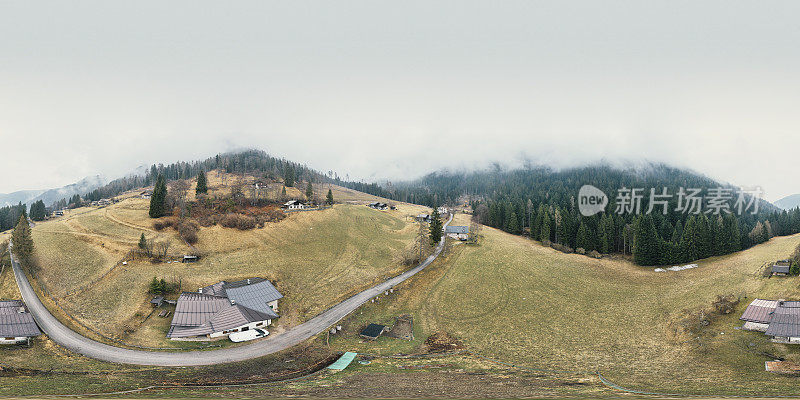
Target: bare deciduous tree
column 161, row 249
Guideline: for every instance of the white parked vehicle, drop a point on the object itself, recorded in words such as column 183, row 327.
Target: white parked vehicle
column 248, row 335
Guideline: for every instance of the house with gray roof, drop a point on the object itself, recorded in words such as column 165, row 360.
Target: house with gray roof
column 16, row 323
column 781, row 268
column 457, row 232
column 220, row 309
column 776, row 318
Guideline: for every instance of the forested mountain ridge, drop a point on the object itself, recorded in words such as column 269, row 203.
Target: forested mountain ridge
column 541, row 202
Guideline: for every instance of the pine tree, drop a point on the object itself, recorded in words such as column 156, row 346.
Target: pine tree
column 582, row 238
column 309, row 191
column 283, row 193
column 38, row 211
column 202, row 184
column 536, row 229
column 666, row 229
column 329, row 198
column 647, row 250
column 435, row 227
column 703, row 237
column 155, row 286
column 564, row 228
column 158, row 201
column 677, row 233
column 22, row 240
column 688, row 244
column 545, row 233
column 731, row 225
column 142, row 242
column 288, row 175
column 512, row 223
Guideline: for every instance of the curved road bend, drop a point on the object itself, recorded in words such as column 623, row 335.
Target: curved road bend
column 101, row 351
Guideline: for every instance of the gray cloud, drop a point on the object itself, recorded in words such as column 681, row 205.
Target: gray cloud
column 392, row 90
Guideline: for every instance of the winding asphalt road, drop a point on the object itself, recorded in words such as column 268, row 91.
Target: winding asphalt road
column 101, row 351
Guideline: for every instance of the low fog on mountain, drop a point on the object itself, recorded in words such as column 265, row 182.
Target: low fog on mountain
column 378, row 92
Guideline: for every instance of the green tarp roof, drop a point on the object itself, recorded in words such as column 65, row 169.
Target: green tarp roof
column 343, row 361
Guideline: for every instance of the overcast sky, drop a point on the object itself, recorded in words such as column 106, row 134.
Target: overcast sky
column 395, row 89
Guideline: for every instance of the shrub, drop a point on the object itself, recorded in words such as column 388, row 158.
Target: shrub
column 188, row 231
column 546, row 242
column 238, row 221
column 163, row 223
column 725, row 304
column 580, row 250
column 594, row 254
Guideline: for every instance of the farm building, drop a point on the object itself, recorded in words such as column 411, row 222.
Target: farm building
column 378, row 206
column 146, row 194
column 373, row 331
column 778, row 319
column 457, row 232
column 294, row 205
column 781, row 268
column 223, row 308
column 16, row 323
column 157, row 301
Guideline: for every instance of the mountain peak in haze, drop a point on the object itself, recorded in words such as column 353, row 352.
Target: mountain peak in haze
column 49, row 196
column 789, row 202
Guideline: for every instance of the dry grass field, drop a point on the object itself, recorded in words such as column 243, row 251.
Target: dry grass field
column 315, row 258
column 514, row 300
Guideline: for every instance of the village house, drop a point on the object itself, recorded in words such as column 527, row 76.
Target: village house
column 16, row 323
column 223, row 308
column 294, row 205
column 146, row 194
column 457, row 232
column 778, row 319
column 423, row 218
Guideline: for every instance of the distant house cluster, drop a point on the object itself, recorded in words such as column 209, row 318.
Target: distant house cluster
column 16, row 323
column 778, row 319
column 223, row 308
column 380, row 206
column 104, row 202
column 423, row 218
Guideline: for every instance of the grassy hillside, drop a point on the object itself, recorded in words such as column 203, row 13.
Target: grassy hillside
column 514, row 300
column 315, row 258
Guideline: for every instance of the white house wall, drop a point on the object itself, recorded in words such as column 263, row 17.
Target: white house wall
column 252, row 325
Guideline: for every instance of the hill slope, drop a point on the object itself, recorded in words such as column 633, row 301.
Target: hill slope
column 514, row 300
column 316, row 258
column 789, row 202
